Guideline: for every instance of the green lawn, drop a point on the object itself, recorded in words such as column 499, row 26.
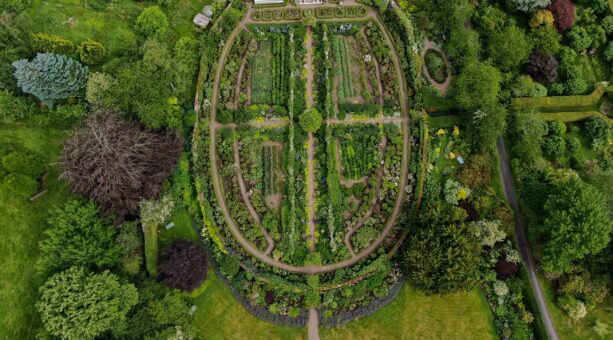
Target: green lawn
column 22, row 224
column 413, row 315
column 594, row 70
column 577, row 330
column 111, row 25
column 182, row 230
column 432, row 101
column 220, row 317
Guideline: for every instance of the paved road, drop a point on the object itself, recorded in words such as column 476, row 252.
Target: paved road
column 520, row 236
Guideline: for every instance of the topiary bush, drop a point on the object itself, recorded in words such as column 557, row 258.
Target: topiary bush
column 20, row 185
column 183, row 265
column 42, row 42
column 23, row 163
column 152, row 23
column 91, row 52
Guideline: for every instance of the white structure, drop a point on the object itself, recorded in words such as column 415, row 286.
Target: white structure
column 265, row 2
column 202, row 19
column 309, row 2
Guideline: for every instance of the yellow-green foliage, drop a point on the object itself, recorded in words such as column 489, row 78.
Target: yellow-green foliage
column 561, row 103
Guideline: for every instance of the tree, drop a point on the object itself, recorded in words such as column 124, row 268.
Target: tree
column 489, row 19
column 542, row 67
column 489, row 232
column 556, row 128
column 607, row 54
column 563, row 13
column 158, row 310
column 476, row 77
column 310, row 120
column 576, row 225
column 77, row 236
column 152, row 23
column 13, row 107
column 116, row 162
column 183, row 265
column 76, row 304
column 607, row 23
column 130, row 242
column 528, row 5
column 145, row 88
column 546, row 40
column 442, row 256
column 509, row 48
column 91, row 52
column 541, row 17
column 99, row 90
column 50, row 77
column 463, row 46
column 579, row 39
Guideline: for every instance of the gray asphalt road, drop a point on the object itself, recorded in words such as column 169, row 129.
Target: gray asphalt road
column 520, row 237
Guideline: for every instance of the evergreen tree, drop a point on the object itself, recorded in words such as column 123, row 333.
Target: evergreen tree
column 50, row 77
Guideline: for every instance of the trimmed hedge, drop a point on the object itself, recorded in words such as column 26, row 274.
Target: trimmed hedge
column 299, row 13
column 571, row 116
column 42, row 42
column 561, row 103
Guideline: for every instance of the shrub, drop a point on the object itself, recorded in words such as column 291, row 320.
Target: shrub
column 505, row 269
column 117, row 162
column 183, row 265
column 49, row 43
column 579, row 38
column 546, row 40
column 573, row 307
column 454, row 192
column 229, row 265
column 575, row 86
column 542, row 67
column 563, row 13
column 20, row 185
column 597, row 128
column 528, row 5
column 12, row 107
column 99, row 89
column 91, row 52
column 489, row 232
column 130, row 242
column 24, row 164
column 607, row 23
column 310, row 120
column 554, row 146
column 152, row 23
column 541, row 17
column 50, row 77
column 69, row 113
column 608, row 52
column 557, row 128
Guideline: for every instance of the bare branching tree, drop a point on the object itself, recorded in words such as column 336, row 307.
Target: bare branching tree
column 117, row 162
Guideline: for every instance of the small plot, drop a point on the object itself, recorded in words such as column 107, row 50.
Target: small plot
column 272, row 161
column 359, row 151
column 354, row 72
column 261, row 83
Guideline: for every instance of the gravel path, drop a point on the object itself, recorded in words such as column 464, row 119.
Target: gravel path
column 442, row 87
column 520, row 236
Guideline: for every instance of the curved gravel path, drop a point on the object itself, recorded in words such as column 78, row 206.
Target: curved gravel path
column 219, row 193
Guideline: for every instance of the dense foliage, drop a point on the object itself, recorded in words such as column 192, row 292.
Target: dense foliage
column 116, row 162
column 183, row 265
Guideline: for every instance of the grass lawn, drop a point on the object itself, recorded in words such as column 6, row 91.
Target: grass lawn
column 413, row 315
column 22, row 224
column 594, row 70
column 220, row 317
column 183, row 229
column 576, row 330
column 111, row 25
column 432, row 101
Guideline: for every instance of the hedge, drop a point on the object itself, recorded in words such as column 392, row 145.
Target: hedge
column 299, row 13
column 561, row 103
column 571, row 116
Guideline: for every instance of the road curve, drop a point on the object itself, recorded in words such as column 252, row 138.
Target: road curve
column 234, row 230
column 520, row 237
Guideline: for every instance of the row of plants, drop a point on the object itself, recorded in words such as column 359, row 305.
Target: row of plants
column 359, row 150
column 319, row 13
column 381, row 50
column 279, row 70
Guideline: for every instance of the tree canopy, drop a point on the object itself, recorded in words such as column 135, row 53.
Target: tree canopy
column 310, row 120
column 576, row 225
column 476, row 77
column 509, row 47
column 152, row 23
column 77, row 236
column 76, row 304
column 183, row 265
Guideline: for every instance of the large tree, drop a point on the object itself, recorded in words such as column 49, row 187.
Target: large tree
column 442, row 254
column 117, row 162
column 576, row 225
column 76, row 304
column 152, row 23
column 509, row 48
column 528, row 5
column 77, row 236
column 563, row 13
column 476, row 78
column 183, row 265
column 50, row 77
column 542, row 67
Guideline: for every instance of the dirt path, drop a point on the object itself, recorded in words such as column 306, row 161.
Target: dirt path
column 313, row 325
column 219, row 192
column 442, row 87
column 520, row 236
column 243, row 188
column 377, row 70
column 373, row 205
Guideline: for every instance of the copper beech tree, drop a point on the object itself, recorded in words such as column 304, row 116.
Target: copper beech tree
column 117, row 162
